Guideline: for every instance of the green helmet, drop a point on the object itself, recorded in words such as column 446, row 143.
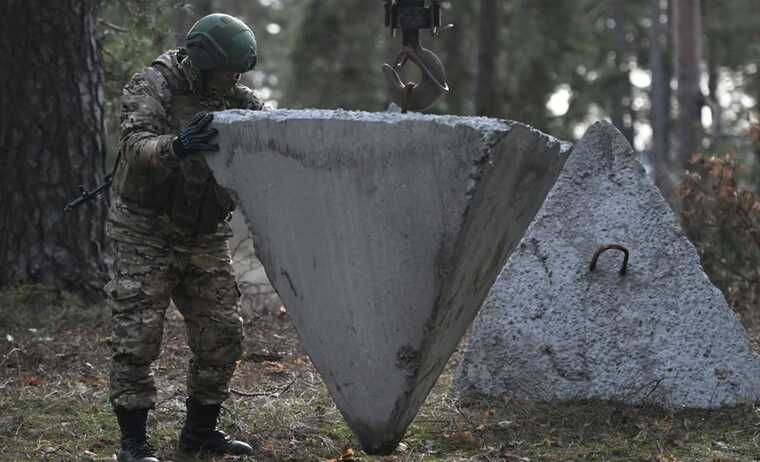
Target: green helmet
column 220, row 41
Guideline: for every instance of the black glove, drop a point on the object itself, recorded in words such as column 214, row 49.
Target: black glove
column 196, row 136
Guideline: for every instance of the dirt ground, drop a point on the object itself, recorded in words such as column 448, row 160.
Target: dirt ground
column 54, row 357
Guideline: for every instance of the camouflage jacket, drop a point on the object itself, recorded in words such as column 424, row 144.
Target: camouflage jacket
column 156, row 103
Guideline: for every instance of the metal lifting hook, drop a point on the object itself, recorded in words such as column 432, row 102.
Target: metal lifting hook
column 411, row 16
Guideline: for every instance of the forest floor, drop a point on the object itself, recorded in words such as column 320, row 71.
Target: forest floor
column 54, row 356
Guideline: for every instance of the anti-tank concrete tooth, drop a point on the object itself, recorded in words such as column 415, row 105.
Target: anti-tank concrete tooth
column 382, row 233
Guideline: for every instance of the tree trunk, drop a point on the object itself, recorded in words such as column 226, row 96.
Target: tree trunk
column 713, row 81
column 456, row 60
column 485, row 91
column 52, row 134
column 621, row 95
column 688, row 38
column 660, row 96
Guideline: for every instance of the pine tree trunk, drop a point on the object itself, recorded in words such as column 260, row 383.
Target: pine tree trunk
column 455, row 59
column 688, row 38
column 659, row 96
column 485, row 100
column 713, row 81
column 621, row 92
column 52, row 134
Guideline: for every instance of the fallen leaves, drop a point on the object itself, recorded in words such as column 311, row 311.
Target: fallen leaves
column 264, row 356
column 346, row 455
column 665, row 458
column 465, row 438
column 33, row 381
column 275, row 367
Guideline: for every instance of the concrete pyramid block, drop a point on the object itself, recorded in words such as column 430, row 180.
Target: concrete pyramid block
column 662, row 333
column 382, row 233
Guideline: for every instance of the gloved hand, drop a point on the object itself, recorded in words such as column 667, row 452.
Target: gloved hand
column 196, row 136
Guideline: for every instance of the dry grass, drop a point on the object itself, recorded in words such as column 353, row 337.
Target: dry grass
column 53, row 404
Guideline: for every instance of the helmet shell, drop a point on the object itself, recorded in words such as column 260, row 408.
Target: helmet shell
column 221, row 41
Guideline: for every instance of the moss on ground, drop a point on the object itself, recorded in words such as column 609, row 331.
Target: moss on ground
column 74, row 429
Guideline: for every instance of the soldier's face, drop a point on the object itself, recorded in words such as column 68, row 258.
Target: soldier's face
column 220, row 80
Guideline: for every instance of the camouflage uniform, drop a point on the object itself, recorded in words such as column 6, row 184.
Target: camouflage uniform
column 168, row 225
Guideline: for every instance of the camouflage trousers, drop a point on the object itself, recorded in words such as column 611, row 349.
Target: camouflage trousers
column 155, row 262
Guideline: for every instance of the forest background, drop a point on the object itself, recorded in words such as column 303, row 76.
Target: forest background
column 679, row 78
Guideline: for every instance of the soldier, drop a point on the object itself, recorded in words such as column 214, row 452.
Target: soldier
column 168, row 225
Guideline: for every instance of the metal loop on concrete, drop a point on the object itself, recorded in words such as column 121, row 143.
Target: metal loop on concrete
column 604, row 248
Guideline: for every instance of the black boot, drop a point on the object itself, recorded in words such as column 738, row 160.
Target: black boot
column 200, row 436
column 134, row 444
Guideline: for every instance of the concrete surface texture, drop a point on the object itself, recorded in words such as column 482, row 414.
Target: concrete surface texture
column 383, row 233
column 258, row 295
column 662, row 333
